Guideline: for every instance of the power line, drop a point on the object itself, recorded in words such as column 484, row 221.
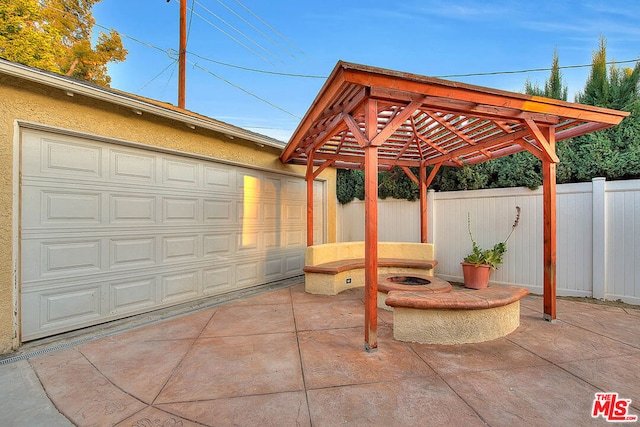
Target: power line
column 244, row 90
column 255, row 28
column 232, row 38
column 532, row 70
column 190, row 20
column 254, row 70
column 158, row 75
column 270, row 27
column 237, row 31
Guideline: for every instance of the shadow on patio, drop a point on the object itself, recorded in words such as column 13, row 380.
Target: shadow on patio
column 287, row 358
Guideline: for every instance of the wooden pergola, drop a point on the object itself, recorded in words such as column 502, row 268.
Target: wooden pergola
column 375, row 119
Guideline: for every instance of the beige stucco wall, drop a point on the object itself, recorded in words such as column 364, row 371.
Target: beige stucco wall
column 26, row 101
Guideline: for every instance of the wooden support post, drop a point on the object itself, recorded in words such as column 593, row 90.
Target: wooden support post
column 424, row 186
column 309, row 179
column 423, row 203
column 371, row 248
column 371, row 229
column 549, row 208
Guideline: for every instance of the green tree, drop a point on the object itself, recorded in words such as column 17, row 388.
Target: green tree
column 55, row 35
column 596, row 91
column 613, row 153
column 554, row 87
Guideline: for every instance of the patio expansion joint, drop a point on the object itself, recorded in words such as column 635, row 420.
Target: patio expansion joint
column 295, row 328
column 619, row 341
column 557, row 365
column 184, row 356
column 166, row 411
column 469, row 405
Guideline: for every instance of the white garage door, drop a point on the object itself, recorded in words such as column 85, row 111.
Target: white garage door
column 111, row 230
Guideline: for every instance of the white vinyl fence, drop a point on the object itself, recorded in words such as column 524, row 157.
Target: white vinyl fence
column 598, row 234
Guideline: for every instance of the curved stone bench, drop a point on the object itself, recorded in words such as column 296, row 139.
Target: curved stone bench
column 458, row 317
column 334, row 267
column 398, row 282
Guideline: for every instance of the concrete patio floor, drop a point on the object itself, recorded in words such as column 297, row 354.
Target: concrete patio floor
column 287, row 358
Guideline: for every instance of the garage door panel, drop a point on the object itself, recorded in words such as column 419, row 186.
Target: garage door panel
column 248, row 183
column 53, row 207
column 219, row 178
column 219, row 212
column 71, row 158
column 109, row 230
column 293, row 263
column 247, row 273
column 179, row 248
column 59, row 309
column 64, row 207
column 70, row 257
column 294, row 238
column 218, row 244
column 272, row 187
column 180, row 287
column 132, row 252
column 184, row 210
column 133, row 295
column 219, row 279
column 248, row 241
column 180, row 172
column 273, row 268
column 132, row 209
column 130, row 166
column 295, row 190
column 248, row 212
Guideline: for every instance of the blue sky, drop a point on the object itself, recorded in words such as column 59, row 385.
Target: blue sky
column 434, row 38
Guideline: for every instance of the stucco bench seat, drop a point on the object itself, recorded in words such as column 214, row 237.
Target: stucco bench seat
column 335, row 267
column 331, row 268
column 458, row 317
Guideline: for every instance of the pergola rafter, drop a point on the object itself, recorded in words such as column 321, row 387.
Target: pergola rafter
column 376, row 119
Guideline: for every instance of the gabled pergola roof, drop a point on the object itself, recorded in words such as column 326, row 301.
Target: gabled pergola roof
column 372, row 118
column 425, row 120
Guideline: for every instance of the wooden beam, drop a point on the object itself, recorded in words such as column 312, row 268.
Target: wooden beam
column 580, row 130
column 484, row 144
column 321, row 168
column 357, row 159
column 466, row 108
column 395, row 123
column 331, row 127
column 333, row 119
column 355, row 130
column 549, row 231
column 548, row 152
column 433, row 173
column 493, row 98
column 332, row 88
column 410, row 174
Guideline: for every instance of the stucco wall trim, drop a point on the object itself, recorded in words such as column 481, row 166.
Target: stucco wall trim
column 15, row 238
column 71, row 87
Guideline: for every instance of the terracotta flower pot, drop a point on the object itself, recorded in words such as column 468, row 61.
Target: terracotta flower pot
column 475, row 277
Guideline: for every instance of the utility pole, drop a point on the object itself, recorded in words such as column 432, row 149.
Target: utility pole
column 182, row 55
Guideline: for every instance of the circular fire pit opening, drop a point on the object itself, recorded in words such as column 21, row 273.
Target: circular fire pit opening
column 408, row 280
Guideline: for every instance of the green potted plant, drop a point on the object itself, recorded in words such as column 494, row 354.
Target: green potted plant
column 477, row 266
